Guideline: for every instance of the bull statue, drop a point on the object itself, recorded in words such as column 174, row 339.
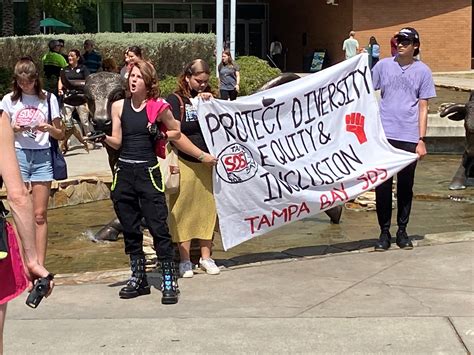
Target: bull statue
column 464, row 176
column 101, row 90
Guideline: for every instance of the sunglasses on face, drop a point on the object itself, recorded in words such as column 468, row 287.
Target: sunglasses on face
column 405, row 42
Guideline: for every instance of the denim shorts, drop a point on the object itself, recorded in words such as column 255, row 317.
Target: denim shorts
column 35, row 164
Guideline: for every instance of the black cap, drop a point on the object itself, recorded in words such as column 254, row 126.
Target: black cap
column 409, row 33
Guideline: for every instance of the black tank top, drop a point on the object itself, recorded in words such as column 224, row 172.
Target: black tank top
column 137, row 143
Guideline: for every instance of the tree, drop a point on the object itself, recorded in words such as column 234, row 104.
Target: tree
column 35, row 8
column 8, row 18
column 65, row 11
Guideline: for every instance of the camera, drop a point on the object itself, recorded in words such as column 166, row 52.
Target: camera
column 153, row 129
column 156, row 133
column 40, row 289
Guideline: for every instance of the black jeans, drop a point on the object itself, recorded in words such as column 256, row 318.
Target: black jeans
column 228, row 94
column 383, row 192
column 136, row 193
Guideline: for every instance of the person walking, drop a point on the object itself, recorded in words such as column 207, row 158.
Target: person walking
column 13, row 279
column 28, row 109
column 193, row 212
column 137, row 187
column 229, row 77
column 74, row 71
column 350, row 45
column 406, row 85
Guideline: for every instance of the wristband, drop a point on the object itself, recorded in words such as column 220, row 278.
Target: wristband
column 201, row 156
column 423, row 139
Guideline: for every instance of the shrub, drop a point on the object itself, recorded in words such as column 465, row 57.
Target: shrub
column 254, row 72
column 168, row 51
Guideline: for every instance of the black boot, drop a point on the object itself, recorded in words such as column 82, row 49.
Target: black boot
column 384, row 241
column 169, row 285
column 137, row 285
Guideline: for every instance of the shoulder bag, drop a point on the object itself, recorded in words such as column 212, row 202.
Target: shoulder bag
column 170, row 164
column 57, row 159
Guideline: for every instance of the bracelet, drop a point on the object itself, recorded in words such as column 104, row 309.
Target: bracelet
column 201, row 156
column 422, row 139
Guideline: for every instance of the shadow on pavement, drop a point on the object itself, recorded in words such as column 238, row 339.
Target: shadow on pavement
column 307, row 251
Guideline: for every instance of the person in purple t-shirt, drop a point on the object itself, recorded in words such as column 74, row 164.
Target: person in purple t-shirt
column 405, row 85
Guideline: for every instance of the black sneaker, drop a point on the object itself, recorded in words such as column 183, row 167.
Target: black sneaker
column 384, row 241
column 403, row 241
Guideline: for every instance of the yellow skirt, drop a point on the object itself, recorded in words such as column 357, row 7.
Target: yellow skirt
column 193, row 210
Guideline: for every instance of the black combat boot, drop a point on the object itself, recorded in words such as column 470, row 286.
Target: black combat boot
column 137, row 285
column 169, row 285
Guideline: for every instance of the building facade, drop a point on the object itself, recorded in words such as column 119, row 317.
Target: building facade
column 303, row 26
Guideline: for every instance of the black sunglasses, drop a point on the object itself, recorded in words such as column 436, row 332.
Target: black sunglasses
column 405, row 42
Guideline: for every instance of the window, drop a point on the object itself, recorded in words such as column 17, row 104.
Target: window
column 163, row 27
column 251, row 12
column 137, row 10
column 172, row 11
column 204, row 11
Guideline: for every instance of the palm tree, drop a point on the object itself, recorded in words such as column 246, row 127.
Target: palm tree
column 8, row 18
column 34, row 16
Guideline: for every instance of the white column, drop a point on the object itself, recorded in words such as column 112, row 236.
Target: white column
column 233, row 4
column 219, row 31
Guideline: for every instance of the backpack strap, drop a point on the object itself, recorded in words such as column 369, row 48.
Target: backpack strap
column 181, row 106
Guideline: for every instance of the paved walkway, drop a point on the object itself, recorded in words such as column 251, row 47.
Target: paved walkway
column 455, row 80
column 418, row 302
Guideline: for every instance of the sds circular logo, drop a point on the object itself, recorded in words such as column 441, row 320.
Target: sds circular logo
column 236, row 164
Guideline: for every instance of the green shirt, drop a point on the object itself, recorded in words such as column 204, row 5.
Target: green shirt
column 52, row 63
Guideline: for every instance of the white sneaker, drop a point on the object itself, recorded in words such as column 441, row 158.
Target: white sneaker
column 209, row 266
column 186, row 269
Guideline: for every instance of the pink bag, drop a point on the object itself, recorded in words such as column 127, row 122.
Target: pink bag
column 13, row 279
column 153, row 109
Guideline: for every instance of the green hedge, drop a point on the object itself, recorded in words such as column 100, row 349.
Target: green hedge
column 168, row 51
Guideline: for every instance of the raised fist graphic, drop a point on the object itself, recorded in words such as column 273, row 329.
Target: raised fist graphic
column 355, row 124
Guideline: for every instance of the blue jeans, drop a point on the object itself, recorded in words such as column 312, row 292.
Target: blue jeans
column 35, row 164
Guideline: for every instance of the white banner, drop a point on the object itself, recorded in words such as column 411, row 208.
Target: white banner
column 297, row 149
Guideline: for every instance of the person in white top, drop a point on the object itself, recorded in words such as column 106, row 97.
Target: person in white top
column 26, row 107
column 350, row 45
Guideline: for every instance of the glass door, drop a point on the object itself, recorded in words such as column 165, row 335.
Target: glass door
column 137, row 25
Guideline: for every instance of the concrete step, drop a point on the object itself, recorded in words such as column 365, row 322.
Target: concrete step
column 444, row 127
